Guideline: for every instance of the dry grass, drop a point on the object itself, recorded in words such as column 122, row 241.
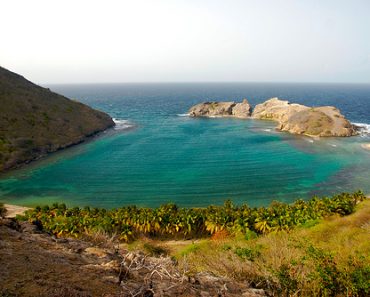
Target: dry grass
column 290, row 263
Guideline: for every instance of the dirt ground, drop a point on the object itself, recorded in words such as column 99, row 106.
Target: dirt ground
column 33, row 263
column 13, row 210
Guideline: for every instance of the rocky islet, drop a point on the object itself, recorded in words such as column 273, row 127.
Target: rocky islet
column 322, row 121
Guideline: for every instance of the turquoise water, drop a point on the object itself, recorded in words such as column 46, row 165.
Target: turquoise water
column 159, row 155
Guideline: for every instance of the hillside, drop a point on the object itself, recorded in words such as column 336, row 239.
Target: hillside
column 322, row 257
column 35, row 121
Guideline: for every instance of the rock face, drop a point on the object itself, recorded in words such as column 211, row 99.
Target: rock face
column 221, row 109
column 300, row 119
column 242, row 110
column 35, row 121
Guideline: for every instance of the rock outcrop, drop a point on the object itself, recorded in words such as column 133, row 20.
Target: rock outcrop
column 323, row 121
column 221, row 109
column 35, row 121
column 320, row 121
column 242, row 110
column 276, row 110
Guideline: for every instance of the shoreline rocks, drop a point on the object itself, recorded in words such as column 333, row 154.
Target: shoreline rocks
column 323, row 121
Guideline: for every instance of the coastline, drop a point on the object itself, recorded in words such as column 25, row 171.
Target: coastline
column 84, row 139
column 13, row 210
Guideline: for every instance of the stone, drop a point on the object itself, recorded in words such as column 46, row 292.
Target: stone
column 98, row 252
column 254, row 293
column 242, row 110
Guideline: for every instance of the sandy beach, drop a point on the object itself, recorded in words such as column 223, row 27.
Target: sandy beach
column 13, row 210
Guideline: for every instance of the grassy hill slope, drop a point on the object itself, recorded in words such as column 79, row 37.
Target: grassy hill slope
column 35, row 121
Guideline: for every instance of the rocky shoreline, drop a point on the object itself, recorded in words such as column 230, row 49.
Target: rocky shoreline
column 322, row 121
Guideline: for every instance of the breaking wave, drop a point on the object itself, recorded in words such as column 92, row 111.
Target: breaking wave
column 122, row 124
column 363, row 128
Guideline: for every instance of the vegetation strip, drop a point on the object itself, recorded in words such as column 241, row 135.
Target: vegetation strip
column 170, row 221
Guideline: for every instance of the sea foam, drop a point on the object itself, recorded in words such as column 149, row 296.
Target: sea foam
column 363, row 128
column 122, row 124
column 183, row 114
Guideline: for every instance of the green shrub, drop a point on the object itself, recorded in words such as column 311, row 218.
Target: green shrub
column 335, row 280
column 2, row 210
column 248, row 253
column 287, row 280
column 190, row 249
column 249, row 235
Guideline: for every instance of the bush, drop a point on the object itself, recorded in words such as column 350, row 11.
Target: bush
column 248, row 253
column 336, row 280
column 2, row 210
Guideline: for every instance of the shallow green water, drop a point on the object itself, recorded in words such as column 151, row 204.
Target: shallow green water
column 160, row 157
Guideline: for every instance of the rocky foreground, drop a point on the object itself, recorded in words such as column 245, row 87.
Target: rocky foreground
column 323, row 121
column 34, row 263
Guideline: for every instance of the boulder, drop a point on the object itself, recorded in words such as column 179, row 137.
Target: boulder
column 242, row 110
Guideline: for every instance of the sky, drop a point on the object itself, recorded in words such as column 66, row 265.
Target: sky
column 186, row 41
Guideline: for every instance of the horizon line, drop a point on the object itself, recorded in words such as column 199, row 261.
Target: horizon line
column 202, row 82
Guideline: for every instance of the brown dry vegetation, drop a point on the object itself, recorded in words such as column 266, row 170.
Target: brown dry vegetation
column 326, row 258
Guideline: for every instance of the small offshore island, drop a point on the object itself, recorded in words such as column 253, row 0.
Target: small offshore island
column 323, row 121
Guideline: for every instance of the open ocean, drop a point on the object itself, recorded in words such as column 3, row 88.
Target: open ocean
column 157, row 154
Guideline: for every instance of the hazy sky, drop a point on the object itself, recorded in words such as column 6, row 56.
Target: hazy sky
column 158, row 40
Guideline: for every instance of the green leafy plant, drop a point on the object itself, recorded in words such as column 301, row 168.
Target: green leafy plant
column 170, row 221
column 2, row 210
column 248, row 253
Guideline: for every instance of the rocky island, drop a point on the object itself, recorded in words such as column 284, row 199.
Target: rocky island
column 35, row 121
column 323, row 121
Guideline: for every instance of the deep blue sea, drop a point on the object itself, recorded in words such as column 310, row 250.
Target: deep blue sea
column 157, row 154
